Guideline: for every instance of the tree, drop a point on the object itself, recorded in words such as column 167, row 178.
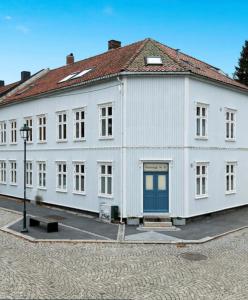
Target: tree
column 241, row 73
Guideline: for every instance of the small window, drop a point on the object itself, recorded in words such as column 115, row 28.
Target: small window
column 79, row 124
column 154, row 61
column 42, row 129
column 3, row 133
column 13, row 132
column 201, row 120
column 105, row 179
column 106, row 121
column 3, row 172
column 61, row 177
column 29, row 123
column 62, row 126
column 29, row 174
column 79, row 178
column 75, row 75
column 230, row 178
column 42, row 175
column 230, row 125
column 201, row 180
column 13, row 173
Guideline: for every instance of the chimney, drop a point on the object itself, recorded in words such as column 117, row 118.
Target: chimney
column 1, row 83
column 70, row 59
column 25, row 75
column 113, row 44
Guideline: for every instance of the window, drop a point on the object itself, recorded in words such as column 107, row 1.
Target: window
column 61, row 177
column 42, row 129
column 201, row 180
column 79, row 124
column 201, row 121
column 3, row 128
column 62, row 126
column 106, row 178
column 13, row 177
column 29, row 173
column 75, row 75
column 2, row 172
column 154, row 61
column 230, row 125
column 230, row 178
column 79, row 177
column 106, row 126
column 13, row 136
column 41, row 175
column 29, row 122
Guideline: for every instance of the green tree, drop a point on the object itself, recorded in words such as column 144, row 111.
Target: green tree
column 241, row 73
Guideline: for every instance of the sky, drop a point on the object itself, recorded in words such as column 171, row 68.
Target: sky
column 38, row 34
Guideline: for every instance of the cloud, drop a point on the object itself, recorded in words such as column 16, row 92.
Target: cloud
column 108, row 10
column 22, row 28
column 8, row 18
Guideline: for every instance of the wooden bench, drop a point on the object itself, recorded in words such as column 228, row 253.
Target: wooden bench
column 51, row 225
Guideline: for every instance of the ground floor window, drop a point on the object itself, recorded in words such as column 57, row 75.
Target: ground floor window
column 41, row 174
column 106, row 179
column 79, row 177
column 29, row 173
column 13, row 177
column 201, row 180
column 231, row 177
column 2, row 172
column 61, row 177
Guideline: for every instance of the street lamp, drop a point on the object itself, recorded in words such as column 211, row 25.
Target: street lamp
column 24, row 132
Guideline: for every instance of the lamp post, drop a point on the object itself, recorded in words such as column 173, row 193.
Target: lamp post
column 24, row 132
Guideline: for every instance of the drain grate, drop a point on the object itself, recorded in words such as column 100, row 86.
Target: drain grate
column 193, row 256
column 55, row 217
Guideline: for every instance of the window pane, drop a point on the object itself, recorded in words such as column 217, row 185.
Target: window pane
column 109, row 186
column 109, row 170
column 82, row 183
column 103, row 127
column 110, row 127
column 161, row 182
column 203, row 127
column 103, row 111
column 203, row 185
column 198, row 127
column 103, row 169
column 198, row 188
column 110, row 111
column 77, row 183
column 103, row 185
column 149, row 182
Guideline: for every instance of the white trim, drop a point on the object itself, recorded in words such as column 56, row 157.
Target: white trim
column 200, row 176
column 106, row 175
column 106, row 105
column 74, row 111
column 201, row 118
column 42, row 126
column 230, row 122
column 74, row 191
column 58, row 189
column 62, row 123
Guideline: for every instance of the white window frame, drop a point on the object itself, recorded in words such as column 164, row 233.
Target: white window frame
column 3, row 172
column 107, row 118
column 230, row 123
column 43, row 128
column 43, row 174
column 75, row 174
column 201, row 119
column 3, row 133
column 201, row 178
column 106, row 175
column 29, row 173
column 61, row 124
column 29, row 123
column 80, row 121
column 61, row 188
column 228, row 175
column 13, row 132
column 13, row 172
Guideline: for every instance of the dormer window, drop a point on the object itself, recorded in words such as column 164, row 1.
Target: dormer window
column 153, row 60
column 75, row 75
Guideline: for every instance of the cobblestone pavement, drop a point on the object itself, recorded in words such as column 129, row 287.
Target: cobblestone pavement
column 118, row 271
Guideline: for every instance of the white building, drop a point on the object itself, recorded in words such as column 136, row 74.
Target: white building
column 143, row 127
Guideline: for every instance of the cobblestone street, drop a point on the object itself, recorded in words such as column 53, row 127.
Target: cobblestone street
column 215, row 270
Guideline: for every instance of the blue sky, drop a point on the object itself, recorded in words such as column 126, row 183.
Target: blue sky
column 39, row 34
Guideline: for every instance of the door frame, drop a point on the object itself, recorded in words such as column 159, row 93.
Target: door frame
column 162, row 161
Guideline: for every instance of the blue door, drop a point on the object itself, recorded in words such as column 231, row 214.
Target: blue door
column 156, row 192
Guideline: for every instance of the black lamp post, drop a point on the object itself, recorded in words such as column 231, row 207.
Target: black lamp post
column 24, row 132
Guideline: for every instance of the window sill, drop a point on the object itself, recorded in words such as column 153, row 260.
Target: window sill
column 230, row 140
column 106, row 196
column 41, row 188
column 3, row 183
column 61, row 191
column 3, row 144
column 79, row 140
column 61, row 141
column 79, row 193
column 201, row 197
column 12, row 144
column 41, row 142
column 13, row 184
column 29, row 186
column 230, row 193
column 201, row 138
column 106, row 138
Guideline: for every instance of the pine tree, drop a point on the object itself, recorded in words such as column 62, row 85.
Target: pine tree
column 241, row 73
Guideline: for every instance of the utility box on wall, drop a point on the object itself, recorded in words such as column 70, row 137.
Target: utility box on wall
column 108, row 213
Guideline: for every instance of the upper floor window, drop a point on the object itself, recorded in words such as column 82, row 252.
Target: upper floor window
column 29, row 173
column 61, row 177
column 79, row 124
column 13, row 177
column 230, row 124
column 42, row 128
column 2, row 171
column 105, row 180
column 201, row 180
column 13, row 132
column 62, row 126
column 79, row 177
column 3, row 134
column 201, row 120
column 41, row 175
column 29, row 122
column 106, row 121
column 231, row 177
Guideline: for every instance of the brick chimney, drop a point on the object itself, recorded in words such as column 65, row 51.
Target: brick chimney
column 70, row 59
column 25, row 75
column 1, row 83
column 113, row 44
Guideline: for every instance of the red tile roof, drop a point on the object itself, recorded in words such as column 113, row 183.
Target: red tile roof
column 130, row 58
column 7, row 88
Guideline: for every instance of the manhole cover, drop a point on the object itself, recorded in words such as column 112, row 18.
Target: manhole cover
column 55, row 217
column 193, row 256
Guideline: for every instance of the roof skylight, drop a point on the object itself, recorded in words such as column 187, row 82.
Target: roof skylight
column 75, row 75
column 154, row 60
